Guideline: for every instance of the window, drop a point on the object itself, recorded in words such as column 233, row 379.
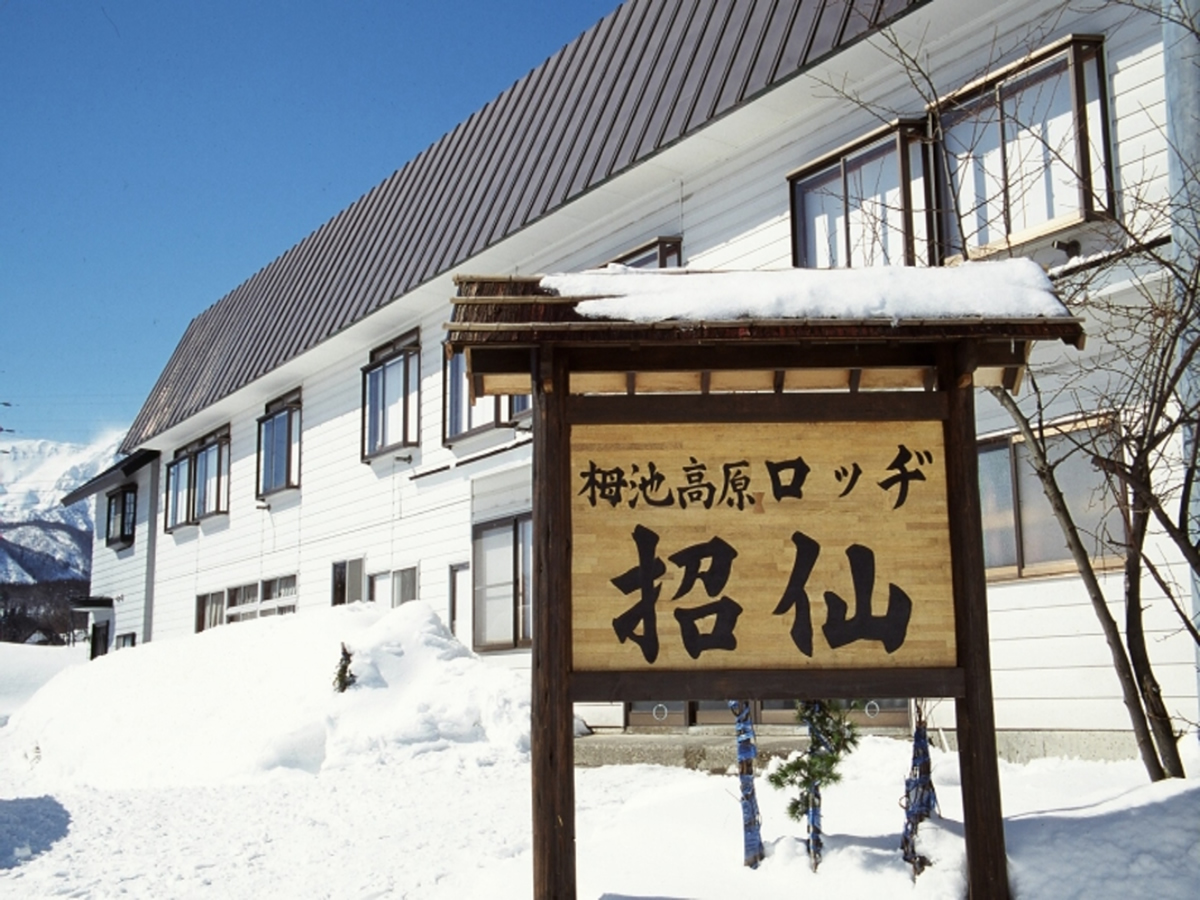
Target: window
column 1025, row 151
column 503, row 589
column 1020, row 533
column 867, row 206
column 122, row 514
column 463, row 416
column 198, row 480
column 279, row 445
column 460, row 591
column 210, row 610
column 379, row 586
column 128, row 639
column 391, row 396
column 347, row 582
column 661, row 253
column 396, row 587
column 1021, row 153
column 278, row 596
column 242, row 603
column 404, row 586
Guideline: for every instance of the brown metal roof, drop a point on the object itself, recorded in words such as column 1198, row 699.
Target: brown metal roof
column 645, row 76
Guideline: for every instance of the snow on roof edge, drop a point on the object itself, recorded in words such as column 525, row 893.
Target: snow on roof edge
column 1006, row 289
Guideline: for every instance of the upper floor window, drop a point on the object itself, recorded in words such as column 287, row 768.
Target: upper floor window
column 391, row 396
column 279, row 445
column 462, row 415
column 1024, row 151
column 121, row 516
column 1003, row 161
column 661, row 253
column 198, row 480
column 865, row 206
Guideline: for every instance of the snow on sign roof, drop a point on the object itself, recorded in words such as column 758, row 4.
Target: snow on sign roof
column 1008, row 289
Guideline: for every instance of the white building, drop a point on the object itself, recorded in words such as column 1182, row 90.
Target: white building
column 309, row 442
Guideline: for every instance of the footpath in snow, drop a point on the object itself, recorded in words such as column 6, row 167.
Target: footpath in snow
column 225, row 765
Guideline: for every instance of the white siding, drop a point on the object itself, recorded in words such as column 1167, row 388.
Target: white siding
column 725, row 191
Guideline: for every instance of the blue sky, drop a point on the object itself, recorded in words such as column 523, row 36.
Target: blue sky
column 154, row 155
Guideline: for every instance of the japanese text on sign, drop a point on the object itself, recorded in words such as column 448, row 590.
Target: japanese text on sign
column 807, row 545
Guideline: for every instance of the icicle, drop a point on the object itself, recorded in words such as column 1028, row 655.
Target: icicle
column 747, row 751
column 920, row 799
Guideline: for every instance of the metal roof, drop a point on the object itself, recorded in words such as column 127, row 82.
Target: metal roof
column 645, row 76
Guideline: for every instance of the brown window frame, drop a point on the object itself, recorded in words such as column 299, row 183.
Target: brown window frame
column 406, row 346
column 906, row 135
column 187, row 457
column 121, row 506
column 661, row 250
column 1079, row 50
column 1021, row 568
column 287, row 408
column 522, row 582
column 456, row 390
column 1094, row 178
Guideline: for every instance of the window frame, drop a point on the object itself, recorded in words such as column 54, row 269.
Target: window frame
column 661, row 250
column 206, row 618
column 405, row 347
column 1021, row 569
column 456, row 389
column 284, row 596
column 907, row 134
column 521, row 572
column 289, row 408
column 187, row 459
column 122, row 502
column 1078, row 50
column 1091, row 168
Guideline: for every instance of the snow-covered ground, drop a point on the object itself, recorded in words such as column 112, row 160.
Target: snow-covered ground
column 224, row 765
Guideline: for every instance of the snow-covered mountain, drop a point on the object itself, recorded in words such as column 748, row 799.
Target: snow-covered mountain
column 40, row 539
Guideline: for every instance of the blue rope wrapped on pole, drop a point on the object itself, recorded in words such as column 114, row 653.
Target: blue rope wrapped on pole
column 920, row 799
column 746, row 753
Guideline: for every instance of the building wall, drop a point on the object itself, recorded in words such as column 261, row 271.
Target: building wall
column 725, row 192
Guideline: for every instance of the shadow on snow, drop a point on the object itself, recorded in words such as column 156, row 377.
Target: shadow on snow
column 30, row 826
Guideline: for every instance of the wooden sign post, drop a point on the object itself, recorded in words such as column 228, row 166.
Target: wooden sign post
column 730, row 511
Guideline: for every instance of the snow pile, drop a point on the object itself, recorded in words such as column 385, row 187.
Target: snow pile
column 1007, row 289
column 236, row 702
column 225, row 765
column 26, row 667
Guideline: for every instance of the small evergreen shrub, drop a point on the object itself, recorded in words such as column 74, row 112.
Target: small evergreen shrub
column 343, row 677
column 834, row 736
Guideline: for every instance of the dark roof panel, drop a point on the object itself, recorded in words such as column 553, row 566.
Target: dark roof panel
column 648, row 74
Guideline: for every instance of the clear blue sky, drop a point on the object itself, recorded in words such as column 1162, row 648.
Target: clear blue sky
column 154, row 155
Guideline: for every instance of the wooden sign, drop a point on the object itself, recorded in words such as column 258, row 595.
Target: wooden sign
column 760, row 546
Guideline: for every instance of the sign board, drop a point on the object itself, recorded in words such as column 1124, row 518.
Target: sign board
column 760, row 546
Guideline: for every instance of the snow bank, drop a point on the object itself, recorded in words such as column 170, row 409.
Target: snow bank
column 1010, row 289
column 25, row 667
column 236, row 702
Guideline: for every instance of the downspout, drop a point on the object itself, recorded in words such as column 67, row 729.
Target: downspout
column 1181, row 64
column 151, row 553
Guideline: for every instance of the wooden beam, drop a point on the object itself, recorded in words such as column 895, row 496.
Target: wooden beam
column 987, row 867
column 815, row 407
column 758, row 684
column 552, row 727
